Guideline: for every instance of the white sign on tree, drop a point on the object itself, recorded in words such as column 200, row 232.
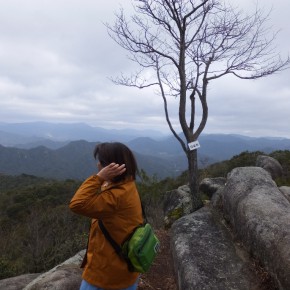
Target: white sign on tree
column 193, row 145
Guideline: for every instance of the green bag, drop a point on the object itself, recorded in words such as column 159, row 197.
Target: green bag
column 139, row 250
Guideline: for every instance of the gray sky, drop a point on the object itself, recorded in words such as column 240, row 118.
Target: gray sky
column 56, row 58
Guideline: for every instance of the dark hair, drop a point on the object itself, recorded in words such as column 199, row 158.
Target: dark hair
column 118, row 153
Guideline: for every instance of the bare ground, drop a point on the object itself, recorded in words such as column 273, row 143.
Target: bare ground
column 161, row 274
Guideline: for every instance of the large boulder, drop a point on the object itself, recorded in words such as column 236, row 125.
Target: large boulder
column 64, row 276
column 205, row 256
column 18, row 282
column 209, row 186
column 270, row 164
column 213, row 188
column 286, row 191
column 176, row 204
column 260, row 217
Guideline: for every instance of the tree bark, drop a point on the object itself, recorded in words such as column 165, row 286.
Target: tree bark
column 193, row 180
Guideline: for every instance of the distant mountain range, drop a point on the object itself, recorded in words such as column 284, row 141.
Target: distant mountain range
column 30, row 133
column 65, row 150
column 75, row 161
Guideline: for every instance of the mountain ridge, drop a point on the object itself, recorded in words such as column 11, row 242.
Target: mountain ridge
column 63, row 132
column 74, row 161
column 162, row 156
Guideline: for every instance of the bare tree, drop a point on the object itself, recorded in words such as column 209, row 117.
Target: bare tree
column 182, row 45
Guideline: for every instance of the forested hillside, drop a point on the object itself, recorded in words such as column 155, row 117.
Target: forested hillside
column 249, row 159
column 38, row 230
column 36, row 227
column 75, row 160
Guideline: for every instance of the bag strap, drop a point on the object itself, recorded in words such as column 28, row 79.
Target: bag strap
column 107, row 235
column 116, row 247
column 114, row 244
column 110, row 239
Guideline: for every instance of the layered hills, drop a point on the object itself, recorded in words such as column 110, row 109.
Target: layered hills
column 64, row 151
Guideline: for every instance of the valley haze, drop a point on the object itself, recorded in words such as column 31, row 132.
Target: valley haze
column 64, row 151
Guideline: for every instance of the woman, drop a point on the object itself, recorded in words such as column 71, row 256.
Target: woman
column 111, row 196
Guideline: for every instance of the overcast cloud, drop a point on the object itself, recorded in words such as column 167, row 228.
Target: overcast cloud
column 56, row 58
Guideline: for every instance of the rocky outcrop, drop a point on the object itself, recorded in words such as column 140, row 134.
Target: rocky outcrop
column 17, row 283
column 176, row 204
column 246, row 224
column 270, row 164
column 206, row 257
column 213, row 188
column 64, row 276
column 286, row 191
column 260, row 217
column 211, row 185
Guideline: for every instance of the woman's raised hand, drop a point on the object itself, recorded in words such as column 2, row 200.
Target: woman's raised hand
column 112, row 170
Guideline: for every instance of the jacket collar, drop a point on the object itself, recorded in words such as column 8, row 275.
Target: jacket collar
column 107, row 185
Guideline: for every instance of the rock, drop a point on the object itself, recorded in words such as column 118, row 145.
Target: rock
column 217, row 199
column 213, row 188
column 17, row 283
column 210, row 185
column 260, row 217
column 176, row 204
column 286, row 191
column 64, row 276
column 205, row 256
column 270, row 164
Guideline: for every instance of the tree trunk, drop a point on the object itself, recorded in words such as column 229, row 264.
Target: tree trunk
column 193, row 180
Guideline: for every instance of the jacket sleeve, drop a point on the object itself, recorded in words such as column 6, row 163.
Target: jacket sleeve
column 89, row 201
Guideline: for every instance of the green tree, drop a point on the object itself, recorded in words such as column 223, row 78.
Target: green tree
column 183, row 45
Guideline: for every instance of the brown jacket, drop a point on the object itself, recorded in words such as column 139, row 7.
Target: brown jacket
column 118, row 206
